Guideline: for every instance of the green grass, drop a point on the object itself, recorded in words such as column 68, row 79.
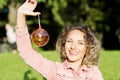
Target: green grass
column 110, row 65
column 12, row 67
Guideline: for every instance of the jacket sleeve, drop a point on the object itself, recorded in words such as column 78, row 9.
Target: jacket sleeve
column 30, row 56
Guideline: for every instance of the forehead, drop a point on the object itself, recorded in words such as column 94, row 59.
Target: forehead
column 76, row 34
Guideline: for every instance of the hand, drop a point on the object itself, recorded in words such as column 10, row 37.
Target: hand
column 27, row 8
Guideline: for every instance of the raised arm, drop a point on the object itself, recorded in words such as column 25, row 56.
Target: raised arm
column 29, row 55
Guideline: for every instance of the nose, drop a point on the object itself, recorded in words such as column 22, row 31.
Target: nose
column 73, row 46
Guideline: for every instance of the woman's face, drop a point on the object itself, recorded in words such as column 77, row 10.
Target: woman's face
column 75, row 46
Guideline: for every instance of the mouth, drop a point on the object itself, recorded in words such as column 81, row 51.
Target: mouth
column 73, row 53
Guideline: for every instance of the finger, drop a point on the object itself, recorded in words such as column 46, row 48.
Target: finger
column 33, row 13
column 36, row 13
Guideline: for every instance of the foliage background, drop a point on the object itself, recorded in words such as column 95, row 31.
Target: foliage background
column 102, row 16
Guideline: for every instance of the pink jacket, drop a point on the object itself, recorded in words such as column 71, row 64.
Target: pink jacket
column 49, row 69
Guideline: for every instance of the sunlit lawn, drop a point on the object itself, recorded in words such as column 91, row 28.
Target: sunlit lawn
column 12, row 67
column 110, row 65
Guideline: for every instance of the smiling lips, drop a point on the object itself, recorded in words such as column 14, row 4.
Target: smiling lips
column 73, row 53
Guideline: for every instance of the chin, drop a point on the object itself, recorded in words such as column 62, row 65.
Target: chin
column 72, row 59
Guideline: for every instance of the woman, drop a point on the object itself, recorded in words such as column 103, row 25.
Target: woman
column 77, row 45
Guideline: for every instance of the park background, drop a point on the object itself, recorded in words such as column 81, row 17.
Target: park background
column 103, row 16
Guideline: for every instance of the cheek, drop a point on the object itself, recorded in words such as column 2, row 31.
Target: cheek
column 67, row 47
column 82, row 49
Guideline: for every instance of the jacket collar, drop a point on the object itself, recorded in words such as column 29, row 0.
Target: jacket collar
column 83, row 68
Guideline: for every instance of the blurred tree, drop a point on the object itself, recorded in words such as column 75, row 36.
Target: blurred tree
column 12, row 7
column 2, row 3
column 8, row 10
column 111, row 29
column 101, row 15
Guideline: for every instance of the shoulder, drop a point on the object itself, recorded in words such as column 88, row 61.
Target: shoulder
column 95, row 73
column 94, row 69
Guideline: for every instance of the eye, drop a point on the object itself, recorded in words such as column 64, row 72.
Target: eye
column 81, row 43
column 68, row 41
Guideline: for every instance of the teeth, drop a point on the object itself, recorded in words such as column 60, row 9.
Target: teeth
column 73, row 52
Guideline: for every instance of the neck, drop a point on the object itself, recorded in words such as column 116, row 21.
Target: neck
column 75, row 64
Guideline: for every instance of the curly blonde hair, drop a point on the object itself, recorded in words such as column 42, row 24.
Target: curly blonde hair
column 93, row 45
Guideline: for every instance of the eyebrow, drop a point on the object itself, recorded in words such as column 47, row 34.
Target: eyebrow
column 78, row 40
